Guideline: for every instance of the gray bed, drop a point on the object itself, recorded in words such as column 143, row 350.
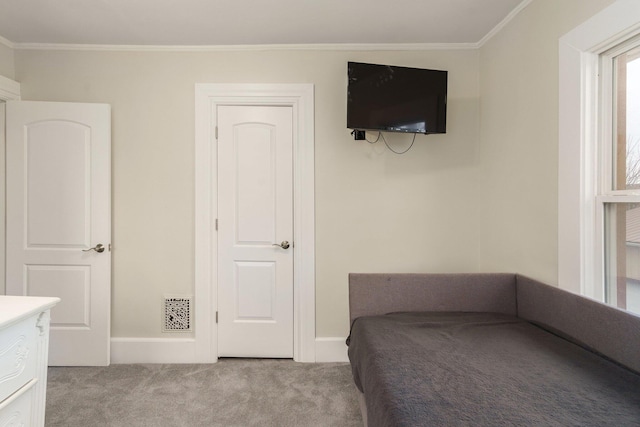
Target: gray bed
column 490, row 349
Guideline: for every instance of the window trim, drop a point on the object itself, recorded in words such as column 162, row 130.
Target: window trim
column 607, row 122
column 580, row 239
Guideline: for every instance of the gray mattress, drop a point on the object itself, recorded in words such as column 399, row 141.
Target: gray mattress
column 488, row 369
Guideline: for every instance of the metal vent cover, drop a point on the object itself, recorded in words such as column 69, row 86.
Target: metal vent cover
column 177, row 313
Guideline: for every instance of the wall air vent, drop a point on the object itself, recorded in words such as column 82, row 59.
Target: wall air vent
column 177, row 313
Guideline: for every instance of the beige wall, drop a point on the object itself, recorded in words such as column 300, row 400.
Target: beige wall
column 519, row 138
column 482, row 197
column 6, row 62
column 375, row 211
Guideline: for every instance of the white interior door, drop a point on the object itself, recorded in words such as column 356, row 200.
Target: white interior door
column 58, row 209
column 255, row 231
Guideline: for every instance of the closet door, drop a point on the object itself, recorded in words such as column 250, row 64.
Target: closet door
column 255, row 235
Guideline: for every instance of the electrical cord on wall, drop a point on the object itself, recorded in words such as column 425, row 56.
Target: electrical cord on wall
column 398, row 152
column 380, row 134
column 372, row 142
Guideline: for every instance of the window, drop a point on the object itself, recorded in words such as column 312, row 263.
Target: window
column 619, row 172
column 599, row 157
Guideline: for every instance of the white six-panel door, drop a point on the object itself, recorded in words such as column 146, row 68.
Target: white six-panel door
column 58, row 209
column 255, row 231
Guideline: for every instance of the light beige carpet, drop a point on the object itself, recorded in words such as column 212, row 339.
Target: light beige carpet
column 232, row 392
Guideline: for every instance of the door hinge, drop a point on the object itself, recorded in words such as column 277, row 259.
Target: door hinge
column 216, row 224
column 216, row 132
column 216, row 317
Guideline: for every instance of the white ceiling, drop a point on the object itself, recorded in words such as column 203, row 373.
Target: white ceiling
column 252, row 22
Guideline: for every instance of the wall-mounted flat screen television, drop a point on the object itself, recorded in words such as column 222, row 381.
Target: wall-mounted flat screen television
column 396, row 99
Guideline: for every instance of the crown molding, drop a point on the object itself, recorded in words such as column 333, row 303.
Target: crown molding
column 255, row 47
column 271, row 47
column 495, row 30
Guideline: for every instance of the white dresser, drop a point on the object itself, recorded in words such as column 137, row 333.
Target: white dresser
column 24, row 346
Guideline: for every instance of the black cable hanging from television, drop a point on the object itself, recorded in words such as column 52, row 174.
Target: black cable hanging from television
column 372, row 142
column 391, row 149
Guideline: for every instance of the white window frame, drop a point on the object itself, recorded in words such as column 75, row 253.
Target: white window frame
column 606, row 194
column 581, row 158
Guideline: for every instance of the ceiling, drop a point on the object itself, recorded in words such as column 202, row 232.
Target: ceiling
column 251, row 22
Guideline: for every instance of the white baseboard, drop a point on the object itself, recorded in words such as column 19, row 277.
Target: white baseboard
column 331, row 349
column 183, row 350
column 153, row 350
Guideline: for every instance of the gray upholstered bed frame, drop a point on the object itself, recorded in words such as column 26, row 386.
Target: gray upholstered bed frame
column 609, row 331
column 612, row 332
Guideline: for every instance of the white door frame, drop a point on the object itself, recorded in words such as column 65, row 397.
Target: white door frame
column 207, row 99
column 9, row 91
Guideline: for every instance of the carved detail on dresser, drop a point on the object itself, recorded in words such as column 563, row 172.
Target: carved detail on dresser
column 13, row 420
column 24, row 342
column 13, row 358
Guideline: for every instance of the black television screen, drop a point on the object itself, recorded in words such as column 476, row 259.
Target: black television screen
column 396, row 99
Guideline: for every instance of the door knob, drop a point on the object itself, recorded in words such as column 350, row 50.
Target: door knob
column 283, row 245
column 98, row 248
